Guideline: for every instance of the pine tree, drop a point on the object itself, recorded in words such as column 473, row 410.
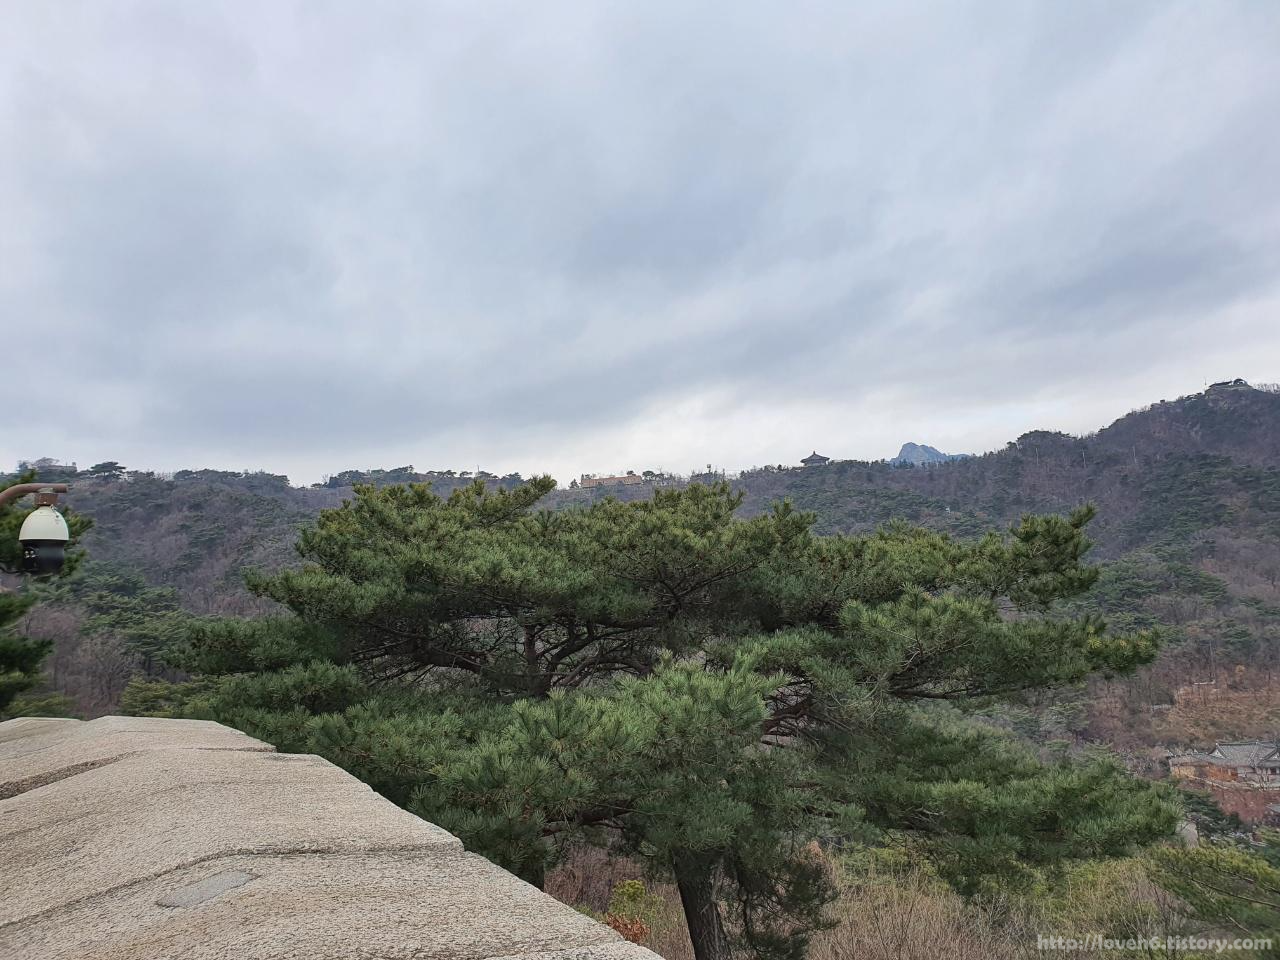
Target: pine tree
column 519, row 603
column 107, row 470
column 1232, row 891
column 719, row 697
column 119, row 602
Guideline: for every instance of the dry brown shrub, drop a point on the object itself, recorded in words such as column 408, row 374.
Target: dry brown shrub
column 629, row 928
column 587, row 879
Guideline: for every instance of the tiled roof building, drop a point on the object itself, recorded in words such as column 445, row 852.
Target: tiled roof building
column 1243, row 777
column 626, row 480
column 1253, row 760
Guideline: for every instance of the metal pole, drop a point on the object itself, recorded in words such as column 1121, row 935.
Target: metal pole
column 22, row 489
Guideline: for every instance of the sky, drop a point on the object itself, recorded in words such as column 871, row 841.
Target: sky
column 589, row 237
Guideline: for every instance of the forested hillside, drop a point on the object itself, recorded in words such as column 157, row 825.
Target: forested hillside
column 1188, row 523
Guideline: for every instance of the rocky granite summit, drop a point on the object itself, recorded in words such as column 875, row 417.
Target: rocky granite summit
column 922, row 453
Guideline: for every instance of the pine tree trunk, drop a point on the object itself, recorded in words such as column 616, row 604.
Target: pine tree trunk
column 695, row 878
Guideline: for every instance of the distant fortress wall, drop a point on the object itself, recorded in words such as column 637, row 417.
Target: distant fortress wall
column 142, row 839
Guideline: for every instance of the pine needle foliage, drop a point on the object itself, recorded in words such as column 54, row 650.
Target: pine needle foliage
column 1232, row 891
column 718, row 697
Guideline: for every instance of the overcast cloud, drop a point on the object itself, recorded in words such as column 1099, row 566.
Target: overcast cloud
column 597, row 236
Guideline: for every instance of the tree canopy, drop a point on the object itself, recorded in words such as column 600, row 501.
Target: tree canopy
column 720, row 697
column 107, row 470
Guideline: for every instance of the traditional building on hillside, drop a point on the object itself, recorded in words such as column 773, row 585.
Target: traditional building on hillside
column 815, row 459
column 630, row 478
column 1247, row 761
column 46, row 464
column 1243, row 777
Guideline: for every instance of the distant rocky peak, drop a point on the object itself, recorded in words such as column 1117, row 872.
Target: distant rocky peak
column 918, row 453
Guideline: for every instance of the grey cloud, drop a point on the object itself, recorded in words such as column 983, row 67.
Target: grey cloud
column 288, row 230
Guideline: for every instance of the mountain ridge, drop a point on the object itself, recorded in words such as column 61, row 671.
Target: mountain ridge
column 1188, row 524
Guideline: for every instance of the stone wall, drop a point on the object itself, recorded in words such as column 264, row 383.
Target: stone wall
column 140, row 839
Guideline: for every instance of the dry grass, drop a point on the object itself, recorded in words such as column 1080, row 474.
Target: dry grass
column 906, row 919
column 587, row 878
column 911, row 918
column 896, row 916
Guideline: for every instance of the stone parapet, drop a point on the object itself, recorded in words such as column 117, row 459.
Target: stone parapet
column 142, row 839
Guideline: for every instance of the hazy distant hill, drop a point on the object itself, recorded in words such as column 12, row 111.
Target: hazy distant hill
column 1188, row 497
column 1179, row 474
column 1164, row 472
column 1193, row 482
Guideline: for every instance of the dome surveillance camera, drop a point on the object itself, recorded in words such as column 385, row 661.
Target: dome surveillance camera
column 44, row 537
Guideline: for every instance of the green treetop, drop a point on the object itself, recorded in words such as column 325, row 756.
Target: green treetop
column 1232, row 891
column 516, row 602
column 107, row 470
column 721, row 698
column 119, row 602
